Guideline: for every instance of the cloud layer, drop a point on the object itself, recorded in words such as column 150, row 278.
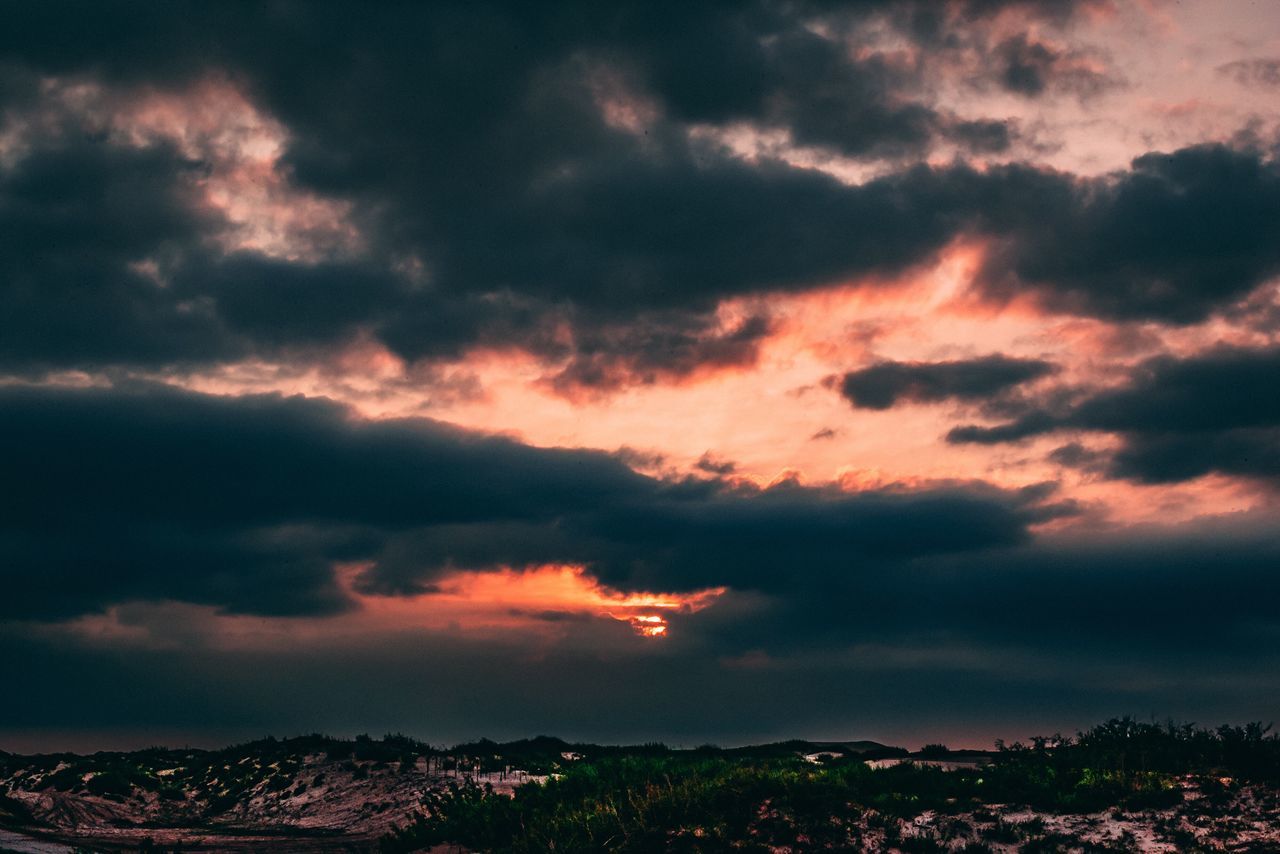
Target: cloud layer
column 311, row 314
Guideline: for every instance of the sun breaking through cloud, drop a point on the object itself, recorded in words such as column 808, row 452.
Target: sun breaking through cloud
column 861, row 353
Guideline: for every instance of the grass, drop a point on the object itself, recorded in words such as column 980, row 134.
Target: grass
column 651, row 797
column 710, row 800
column 698, row 804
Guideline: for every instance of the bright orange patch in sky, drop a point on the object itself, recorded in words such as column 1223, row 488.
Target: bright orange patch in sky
column 649, row 625
column 539, row 603
column 779, row 414
column 544, row 596
column 782, row 416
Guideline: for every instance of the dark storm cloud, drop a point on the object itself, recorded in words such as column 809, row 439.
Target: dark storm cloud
column 1173, row 238
column 1175, row 621
column 472, row 137
column 680, row 227
column 1178, row 418
column 798, row 80
column 816, row 88
column 105, row 259
column 704, row 533
column 1026, row 65
column 276, row 303
column 1033, row 68
column 245, row 503
column 1253, row 72
column 668, row 236
column 984, row 136
column 1206, row 572
column 75, row 217
column 883, row 385
column 788, row 535
column 1054, row 593
column 1077, row 456
column 1032, row 424
column 106, row 262
column 676, row 231
column 1222, row 389
column 645, row 351
column 713, row 465
column 242, row 503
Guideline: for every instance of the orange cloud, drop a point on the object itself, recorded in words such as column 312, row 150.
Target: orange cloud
column 544, row 594
column 542, row 604
column 762, row 419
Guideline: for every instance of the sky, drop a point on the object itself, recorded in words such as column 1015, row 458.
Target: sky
column 696, row 372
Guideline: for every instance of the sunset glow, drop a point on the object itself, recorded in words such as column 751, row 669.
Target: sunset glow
column 697, row 372
column 536, row 597
column 648, row 625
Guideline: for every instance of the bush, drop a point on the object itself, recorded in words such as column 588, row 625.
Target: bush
column 110, row 783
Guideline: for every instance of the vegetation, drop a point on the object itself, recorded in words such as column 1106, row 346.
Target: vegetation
column 710, row 800
column 793, row 795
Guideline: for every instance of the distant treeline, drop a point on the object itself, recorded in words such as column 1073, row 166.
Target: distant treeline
column 1250, row 752
column 540, row 755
